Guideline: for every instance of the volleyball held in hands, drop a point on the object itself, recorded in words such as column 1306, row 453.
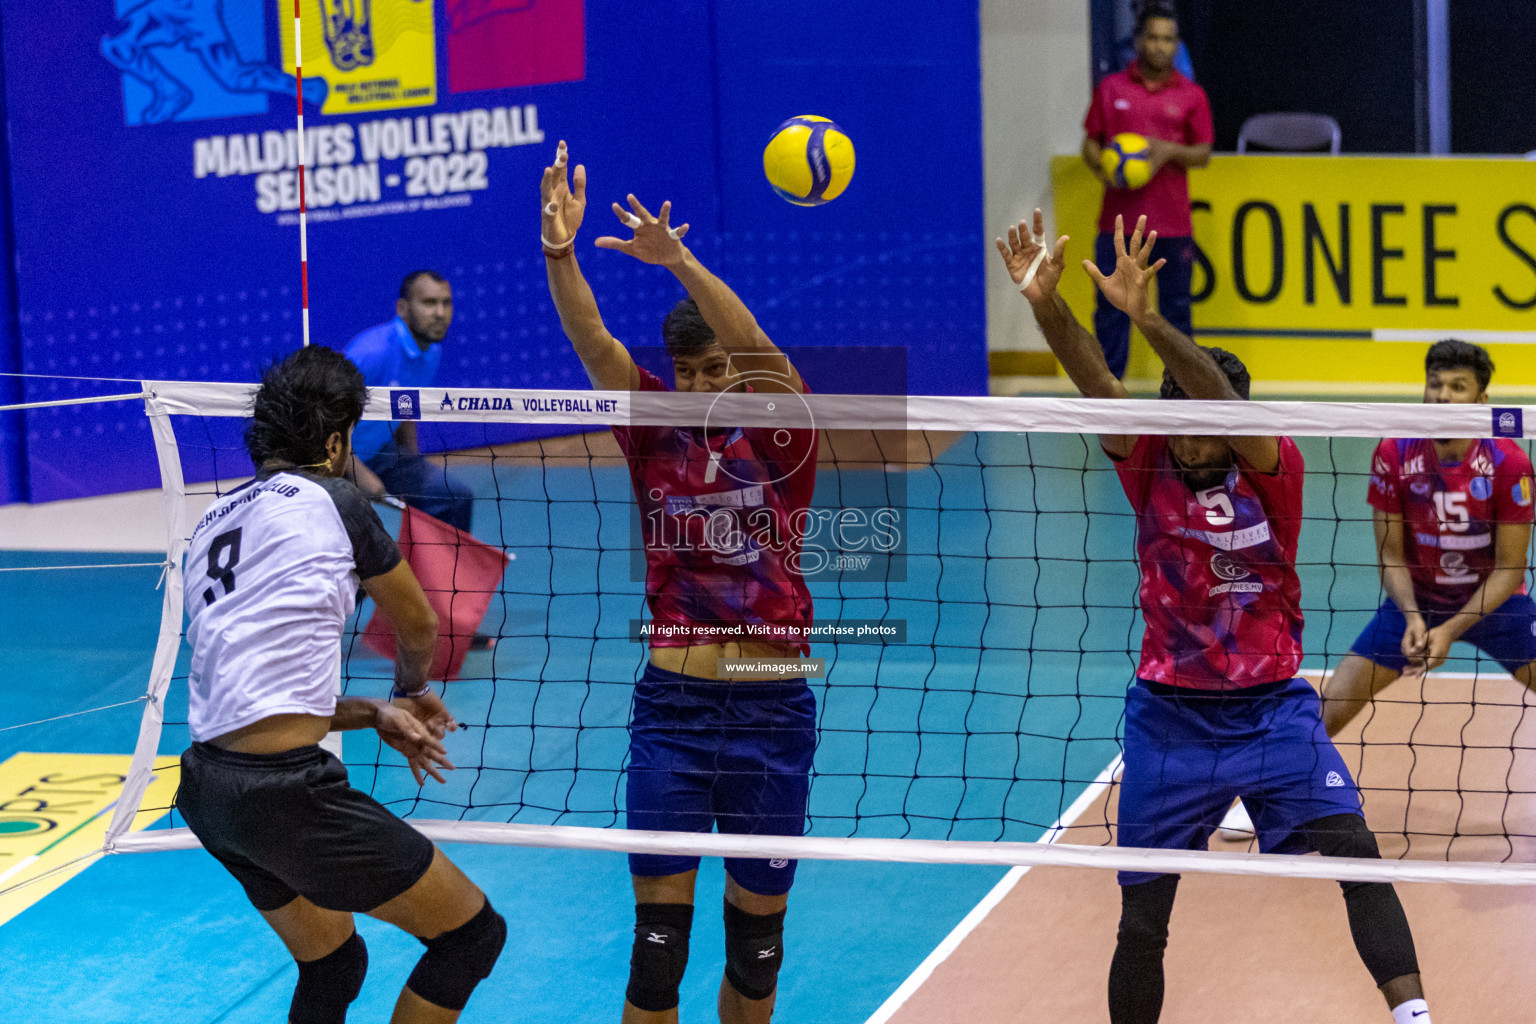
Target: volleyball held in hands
column 809, row 160
column 1127, row 160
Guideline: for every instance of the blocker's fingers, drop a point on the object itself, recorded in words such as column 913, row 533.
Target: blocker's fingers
column 1151, row 241
column 581, row 184
column 1039, row 225
column 1119, row 236
column 1141, row 226
column 561, row 156
column 610, row 242
column 665, row 214
column 1154, row 268
column 639, row 208
column 1094, row 272
column 626, row 218
column 677, row 233
column 1061, row 248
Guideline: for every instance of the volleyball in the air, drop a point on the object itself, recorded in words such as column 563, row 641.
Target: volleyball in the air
column 809, row 160
column 1127, row 160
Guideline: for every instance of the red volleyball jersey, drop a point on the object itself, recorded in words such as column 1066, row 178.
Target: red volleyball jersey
column 1174, row 109
column 1219, row 591
column 719, row 513
column 1449, row 511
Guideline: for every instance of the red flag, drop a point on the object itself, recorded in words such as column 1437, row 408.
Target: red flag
column 459, row 574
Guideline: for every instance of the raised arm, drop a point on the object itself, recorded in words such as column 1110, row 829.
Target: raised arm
column 736, row 329
column 1129, row 289
column 1037, row 272
column 607, row 362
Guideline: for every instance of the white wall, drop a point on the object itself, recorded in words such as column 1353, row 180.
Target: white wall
column 1035, row 86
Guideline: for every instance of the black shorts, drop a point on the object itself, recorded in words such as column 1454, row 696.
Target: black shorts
column 289, row 825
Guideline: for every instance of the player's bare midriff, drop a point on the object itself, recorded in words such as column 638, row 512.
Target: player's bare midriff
column 275, row 734
column 702, row 660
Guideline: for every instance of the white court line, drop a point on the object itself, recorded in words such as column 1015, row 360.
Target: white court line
column 979, row 912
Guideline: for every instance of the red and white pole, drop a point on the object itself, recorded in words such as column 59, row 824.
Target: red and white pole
column 298, row 75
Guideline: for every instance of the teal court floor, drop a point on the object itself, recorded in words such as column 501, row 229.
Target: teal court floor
column 1000, row 708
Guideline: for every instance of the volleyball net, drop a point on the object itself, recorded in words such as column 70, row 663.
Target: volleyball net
column 972, row 563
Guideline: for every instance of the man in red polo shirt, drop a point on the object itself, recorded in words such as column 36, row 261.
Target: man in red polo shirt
column 1150, row 98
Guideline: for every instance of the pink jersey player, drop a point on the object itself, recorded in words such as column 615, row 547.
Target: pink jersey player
column 1450, row 511
column 1219, row 590
column 717, row 510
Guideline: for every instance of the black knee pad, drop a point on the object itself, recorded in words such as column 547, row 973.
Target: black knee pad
column 659, row 956
column 455, row 962
column 1145, row 910
column 328, row 985
column 1343, row 835
column 754, row 951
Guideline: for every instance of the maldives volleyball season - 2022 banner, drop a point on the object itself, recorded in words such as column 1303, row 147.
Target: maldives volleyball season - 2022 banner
column 209, row 60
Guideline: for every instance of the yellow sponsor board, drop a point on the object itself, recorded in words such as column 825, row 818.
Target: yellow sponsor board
column 54, row 812
column 373, row 54
column 1344, row 268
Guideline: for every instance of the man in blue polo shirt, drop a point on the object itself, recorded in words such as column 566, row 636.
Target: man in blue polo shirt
column 405, row 353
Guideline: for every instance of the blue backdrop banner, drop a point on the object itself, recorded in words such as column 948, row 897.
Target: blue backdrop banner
column 154, row 182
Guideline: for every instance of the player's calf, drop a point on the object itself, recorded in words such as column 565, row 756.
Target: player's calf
column 1376, row 918
column 458, row 960
column 660, row 955
column 754, row 951
column 1136, row 972
column 328, row 986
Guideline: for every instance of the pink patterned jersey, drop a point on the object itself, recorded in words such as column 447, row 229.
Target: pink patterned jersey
column 718, row 513
column 1219, row 591
column 1449, row 511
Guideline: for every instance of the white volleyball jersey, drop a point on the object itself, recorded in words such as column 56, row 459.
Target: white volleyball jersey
column 272, row 573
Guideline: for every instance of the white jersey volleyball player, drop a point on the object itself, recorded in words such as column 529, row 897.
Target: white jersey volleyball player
column 272, row 573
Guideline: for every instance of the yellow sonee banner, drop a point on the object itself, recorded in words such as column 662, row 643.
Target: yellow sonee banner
column 373, row 54
column 1346, row 250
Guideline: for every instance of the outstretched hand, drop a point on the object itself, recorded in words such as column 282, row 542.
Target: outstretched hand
column 1129, row 288
column 563, row 208
column 1034, row 269
column 655, row 241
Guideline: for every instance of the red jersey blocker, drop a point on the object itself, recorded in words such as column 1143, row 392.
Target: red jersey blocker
column 717, row 510
column 1449, row 513
column 1217, row 711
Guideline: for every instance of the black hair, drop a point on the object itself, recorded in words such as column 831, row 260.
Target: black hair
column 410, row 279
column 312, row 394
column 1153, row 9
column 1455, row 354
column 684, row 331
column 1237, row 374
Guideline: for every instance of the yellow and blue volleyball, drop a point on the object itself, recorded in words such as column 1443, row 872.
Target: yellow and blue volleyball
column 1127, row 160
column 809, row 161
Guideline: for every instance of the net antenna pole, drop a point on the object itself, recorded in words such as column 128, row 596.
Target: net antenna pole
column 298, row 100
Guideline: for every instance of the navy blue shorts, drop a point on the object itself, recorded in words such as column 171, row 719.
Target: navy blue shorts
column 733, row 756
column 1507, row 634
column 1188, row 754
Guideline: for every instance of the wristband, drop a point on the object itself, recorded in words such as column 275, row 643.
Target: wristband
column 551, row 254
column 397, row 694
column 558, row 245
